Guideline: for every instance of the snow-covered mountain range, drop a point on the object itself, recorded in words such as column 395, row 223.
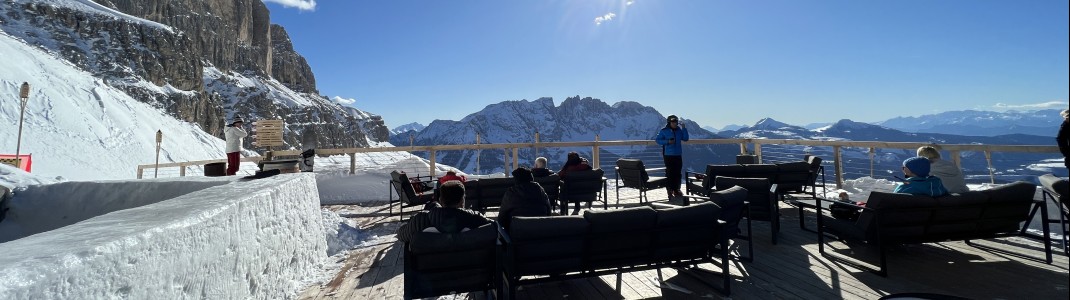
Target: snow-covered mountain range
column 981, row 123
column 106, row 75
column 575, row 119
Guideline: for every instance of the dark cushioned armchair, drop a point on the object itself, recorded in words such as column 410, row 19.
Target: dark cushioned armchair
column 631, row 173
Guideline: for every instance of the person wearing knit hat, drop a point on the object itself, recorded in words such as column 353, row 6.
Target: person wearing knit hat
column 918, row 181
column 234, row 135
column 526, row 198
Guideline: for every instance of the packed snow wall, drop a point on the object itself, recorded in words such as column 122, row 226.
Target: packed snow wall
column 44, row 207
column 247, row 239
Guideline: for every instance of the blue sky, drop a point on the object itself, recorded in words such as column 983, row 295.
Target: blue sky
column 717, row 62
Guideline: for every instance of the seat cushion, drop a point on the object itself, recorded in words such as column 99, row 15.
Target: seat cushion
column 438, row 251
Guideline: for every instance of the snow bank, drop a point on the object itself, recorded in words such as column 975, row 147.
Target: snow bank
column 247, row 239
column 40, row 208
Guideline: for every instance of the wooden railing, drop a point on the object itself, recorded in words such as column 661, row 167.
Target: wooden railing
column 511, row 150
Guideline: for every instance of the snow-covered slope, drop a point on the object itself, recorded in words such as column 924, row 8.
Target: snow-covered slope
column 79, row 128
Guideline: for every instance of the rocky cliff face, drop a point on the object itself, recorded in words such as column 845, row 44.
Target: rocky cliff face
column 206, row 61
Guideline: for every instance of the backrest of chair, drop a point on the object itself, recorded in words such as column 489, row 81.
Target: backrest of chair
column 547, row 245
column 1057, row 188
column 582, row 185
column 761, row 199
column 619, row 236
column 901, row 215
column 687, row 231
column 441, row 263
column 492, row 190
column 551, row 184
column 712, row 171
column 401, row 184
column 792, row 176
column 1008, row 206
column 632, row 172
column 731, row 201
column 767, row 171
column 815, row 167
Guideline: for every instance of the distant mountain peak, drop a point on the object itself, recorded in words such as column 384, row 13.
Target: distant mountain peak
column 414, row 126
column 770, row 124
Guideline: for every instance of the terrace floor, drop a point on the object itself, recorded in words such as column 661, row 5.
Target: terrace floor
column 792, row 269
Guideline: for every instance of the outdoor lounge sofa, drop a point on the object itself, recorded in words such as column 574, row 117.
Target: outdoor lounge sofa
column 445, row 263
column 891, row 219
column 613, row 241
column 789, row 177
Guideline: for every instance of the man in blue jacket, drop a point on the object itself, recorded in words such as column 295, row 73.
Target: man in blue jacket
column 918, row 181
column 670, row 139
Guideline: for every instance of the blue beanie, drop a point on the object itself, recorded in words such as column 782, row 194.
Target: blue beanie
column 917, row 165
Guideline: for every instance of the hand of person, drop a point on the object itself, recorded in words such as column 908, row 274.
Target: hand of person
column 672, row 141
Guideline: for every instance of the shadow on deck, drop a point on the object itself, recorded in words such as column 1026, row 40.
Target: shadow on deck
column 792, row 269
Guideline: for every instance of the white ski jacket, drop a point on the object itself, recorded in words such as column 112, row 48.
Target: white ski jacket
column 234, row 137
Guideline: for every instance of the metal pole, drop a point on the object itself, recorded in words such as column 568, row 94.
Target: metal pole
column 24, row 95
column 159, row 139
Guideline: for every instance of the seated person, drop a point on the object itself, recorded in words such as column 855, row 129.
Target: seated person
column 949, row 173
column 918, row 181
column 526, row 198
column 574, row 163
column 449, row 217
column 540, row 169
column 451, row 175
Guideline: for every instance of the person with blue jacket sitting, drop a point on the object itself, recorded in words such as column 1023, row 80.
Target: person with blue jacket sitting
column 670, row 139
column 918, row 181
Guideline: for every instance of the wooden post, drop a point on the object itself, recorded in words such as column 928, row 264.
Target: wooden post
column 432, row 162
column 594, row 153
column 140, row 170
column 758, row 151
column 506, row 162
column 839, row 166
column 182, row 171
column 991, row 170
column 872, row 153
column 516, row 152
column 352, row 163
column 743, row 148
column 478, row 152
column 536, row 145
column 956, row 158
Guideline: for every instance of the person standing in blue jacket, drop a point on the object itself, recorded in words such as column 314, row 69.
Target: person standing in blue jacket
column 670, row 139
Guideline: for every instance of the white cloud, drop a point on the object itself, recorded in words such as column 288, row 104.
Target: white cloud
column 299, row 4
column 604, row 18
column 344, row 101
column 1033, row 106
column 629, row 2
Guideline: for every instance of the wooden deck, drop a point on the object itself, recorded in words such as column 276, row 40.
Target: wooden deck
column 792, row 269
